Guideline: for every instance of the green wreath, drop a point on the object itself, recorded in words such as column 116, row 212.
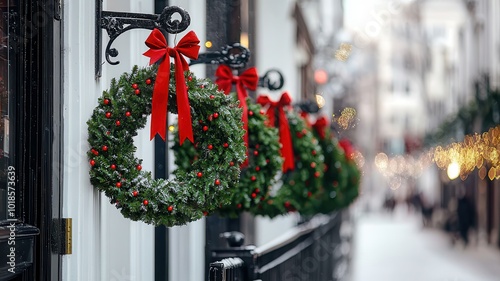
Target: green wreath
column 351, row 190
column 335, row 176
column 263, row 165
column 203, row 186
column 299, row 187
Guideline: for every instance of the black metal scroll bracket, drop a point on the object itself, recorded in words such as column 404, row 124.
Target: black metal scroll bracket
column 273, row 80
column 234, row 56
column 117, row 23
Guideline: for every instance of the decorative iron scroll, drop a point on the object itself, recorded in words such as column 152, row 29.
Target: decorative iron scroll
column 117, row 23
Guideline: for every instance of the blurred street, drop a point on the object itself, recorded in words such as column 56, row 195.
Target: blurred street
column 396, row 247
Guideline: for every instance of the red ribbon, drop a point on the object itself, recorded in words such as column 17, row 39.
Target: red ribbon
column 248, row 79
column 188, row 46
column 284, row 128
column 348, row 148
column 320, row 126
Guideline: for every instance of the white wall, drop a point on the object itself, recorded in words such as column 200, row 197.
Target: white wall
column 105, row 245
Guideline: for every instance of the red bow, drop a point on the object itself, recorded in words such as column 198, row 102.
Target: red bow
column 320, row 126
column 249, row 80
column 188, row 46
column 284, row 128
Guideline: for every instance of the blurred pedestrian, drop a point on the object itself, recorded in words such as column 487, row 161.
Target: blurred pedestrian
column 466, row 216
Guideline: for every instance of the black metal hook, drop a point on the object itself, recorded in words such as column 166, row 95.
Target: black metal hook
column 117, row 23
column 235, row 56
column 268, row 80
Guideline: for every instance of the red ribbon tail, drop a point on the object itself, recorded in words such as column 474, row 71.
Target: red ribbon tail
column 286, row 142
column 183, row 108
column 160, row 101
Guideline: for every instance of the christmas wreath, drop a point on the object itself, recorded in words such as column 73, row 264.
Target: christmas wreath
column 302, row 180
column 123, row 110
column 351, row 189
column 335, row 176
column 259, row 175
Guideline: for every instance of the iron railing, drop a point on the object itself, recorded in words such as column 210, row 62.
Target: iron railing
column 314, row 250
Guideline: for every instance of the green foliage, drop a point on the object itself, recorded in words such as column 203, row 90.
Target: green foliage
column 335, row 179
column 169, row 202
column 259, row 175
column 300, row 186
column 350, row 192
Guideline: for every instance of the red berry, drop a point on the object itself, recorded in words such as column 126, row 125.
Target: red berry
column 95, row 152
column 255, row 152
column 254, row 195
column 309, row 194
column 190, row 78
column 226, row 145
column 257, row 190
column 104, row 148
column 202, row 86
column 128, row 114
column 212, row 97
column 238, row 206
column 92, row 162
column 135, row 193
column 267, row 161
column 299, row 135
column 216, row 115
column 253, row 178
column 210, row 117
column 313, row 165
column 138, row 167
column 200, row 121
column 287, row 204
column 118, row 123
column 137, row 91
column 118, row 184
column 113, row 167
column 205, row 213
column 199, row 174
column 108, row 133
column 231, row 163
column 135, row 86
column 316, row 174
column 304, row 131
column 257, row 168
column 217, row 182
column 262, row 112
column 313, row 152
column 148, row 81
column 210, row 147
column 257, row 146
column 145, row 202
column 170, row 208
column 108, row 115
column 205, row 128
column 106, row 101
column 250, row 113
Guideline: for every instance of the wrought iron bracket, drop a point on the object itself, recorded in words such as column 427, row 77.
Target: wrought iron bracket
column 234, row 56
column 117, row 23
column 273, row 80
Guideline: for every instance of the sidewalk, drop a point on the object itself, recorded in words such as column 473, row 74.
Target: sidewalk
column 398, row 248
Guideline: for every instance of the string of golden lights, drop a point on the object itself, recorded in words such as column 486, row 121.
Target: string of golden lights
column 459, row 159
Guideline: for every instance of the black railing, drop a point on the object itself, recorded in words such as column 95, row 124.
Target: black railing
column 314, row 250
column 230, row 269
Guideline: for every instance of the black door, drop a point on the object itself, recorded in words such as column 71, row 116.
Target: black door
column 30, row 140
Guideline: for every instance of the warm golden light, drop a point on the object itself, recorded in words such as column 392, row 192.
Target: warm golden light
column 343, row 52
column 453, row 170
column 381, row 161
column 208, row 44
column 320, row 100
column 171, row 128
